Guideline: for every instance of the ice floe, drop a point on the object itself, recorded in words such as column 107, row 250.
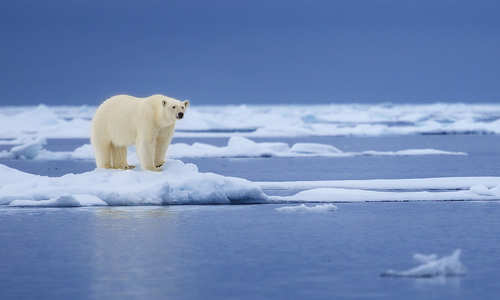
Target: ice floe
column 179, row 183
column 355, row 195
column 320, row 208
column 236, row 147
column 432, row 266
column 182, row 183
column 485, row 185
column 268, row 120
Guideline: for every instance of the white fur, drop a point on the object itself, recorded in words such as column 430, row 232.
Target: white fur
column 124, row 120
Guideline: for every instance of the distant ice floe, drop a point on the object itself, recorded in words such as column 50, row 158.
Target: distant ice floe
column 377, row 190
column 481, row 185
column 236, row 147
column 320, row 208
column 182, row 183
column 432, row 266
column 272, row 121
column 350, row 195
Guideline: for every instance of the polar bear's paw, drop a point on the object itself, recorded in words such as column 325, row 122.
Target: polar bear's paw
column 160, row 164
column 156, row 169
column 129, row 167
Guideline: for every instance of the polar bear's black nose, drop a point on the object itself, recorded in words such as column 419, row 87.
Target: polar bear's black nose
column 180, row 115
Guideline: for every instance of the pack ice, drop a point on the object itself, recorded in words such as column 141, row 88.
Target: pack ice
column 289, row 120
column 237, row 146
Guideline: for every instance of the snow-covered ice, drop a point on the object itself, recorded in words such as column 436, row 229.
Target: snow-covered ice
column 236, row 147
column 355, row 195
column 267, row 120
column 480, row 185
column 62, row 201
column 179, row 183
column 320, row 208
column 182, row 183
column 432, row 266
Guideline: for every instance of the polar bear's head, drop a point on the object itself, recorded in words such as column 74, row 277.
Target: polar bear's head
column 171, row 109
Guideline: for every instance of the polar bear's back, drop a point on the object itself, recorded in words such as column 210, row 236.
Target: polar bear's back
column 116, row 120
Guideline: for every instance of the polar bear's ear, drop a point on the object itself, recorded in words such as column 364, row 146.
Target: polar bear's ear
column 186, row 103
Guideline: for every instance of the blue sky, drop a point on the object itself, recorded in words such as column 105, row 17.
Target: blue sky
column 223, row 52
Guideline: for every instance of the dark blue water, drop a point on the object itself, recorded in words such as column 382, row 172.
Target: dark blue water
column 245, row 252
column 254, row 251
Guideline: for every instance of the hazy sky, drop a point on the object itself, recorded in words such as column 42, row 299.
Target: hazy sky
column 81, row 52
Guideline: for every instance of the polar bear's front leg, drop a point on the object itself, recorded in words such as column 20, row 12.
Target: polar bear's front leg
column 162, row 142
column 146, row 151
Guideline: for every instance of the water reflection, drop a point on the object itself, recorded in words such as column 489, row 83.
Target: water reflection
column 448, row 281
column 133, row 212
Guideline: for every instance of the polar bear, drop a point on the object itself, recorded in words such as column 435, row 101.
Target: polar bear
column 123, row 120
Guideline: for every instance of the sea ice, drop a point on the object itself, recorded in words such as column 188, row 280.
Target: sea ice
column 289, row 120
column 179, row 183
column 431, row 266
column 355, row 195
column 478, row 185
column 236, row 147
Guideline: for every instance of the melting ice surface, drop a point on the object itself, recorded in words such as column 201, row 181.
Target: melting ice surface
column 182, row 183
column 236, row 147
column 266, row 121
column 431, row 266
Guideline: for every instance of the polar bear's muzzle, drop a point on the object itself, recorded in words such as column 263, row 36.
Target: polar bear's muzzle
column 180, row 115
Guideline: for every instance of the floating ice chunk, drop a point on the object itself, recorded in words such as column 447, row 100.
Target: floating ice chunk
column 440, row 183
column 433, row 267
column 314, row 148
column 243, row 147
column 236, row 147
column 354, row 195
column 83, row 152
column 320, row 208
column 179, row 183
column 29, row 149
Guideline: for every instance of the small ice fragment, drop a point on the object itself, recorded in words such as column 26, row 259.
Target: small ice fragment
column 28, row 150
column 432, row 266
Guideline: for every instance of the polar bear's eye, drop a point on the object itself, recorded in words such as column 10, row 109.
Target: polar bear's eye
column 164, row 102
column 173, row 107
